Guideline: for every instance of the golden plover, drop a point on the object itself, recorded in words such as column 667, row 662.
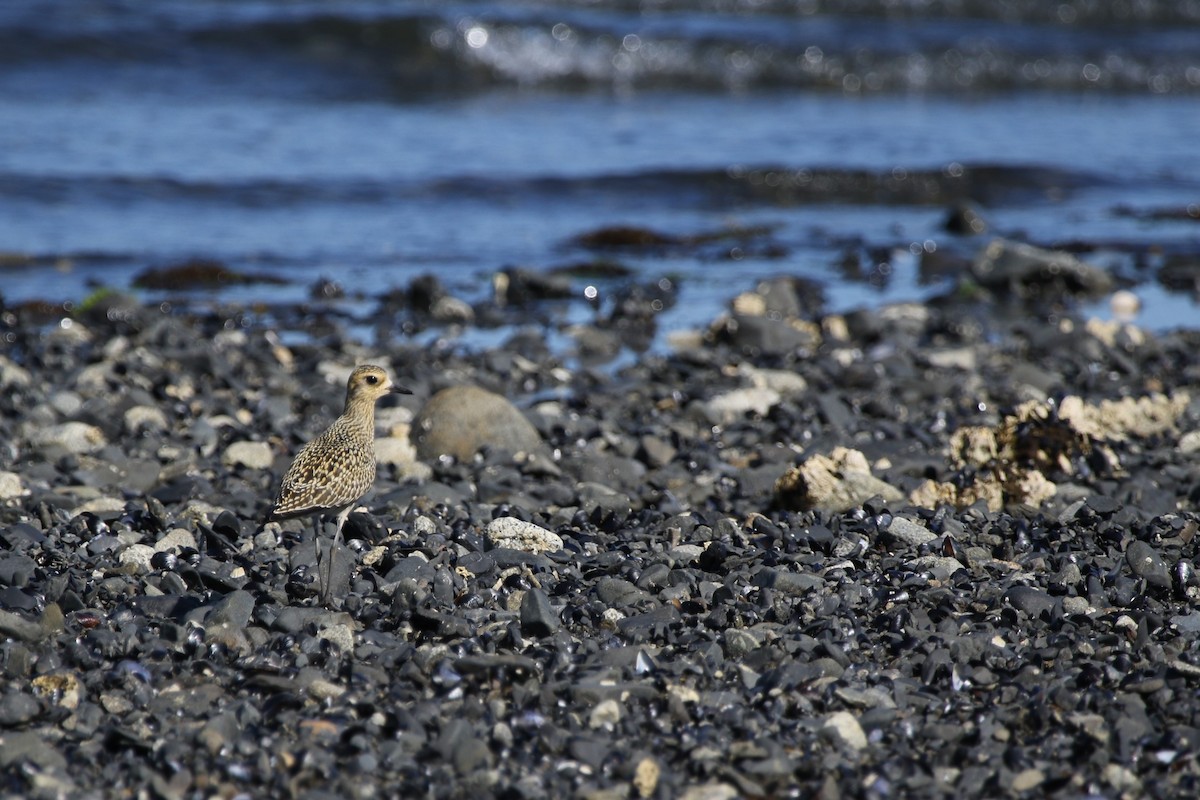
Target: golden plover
column 333, row 471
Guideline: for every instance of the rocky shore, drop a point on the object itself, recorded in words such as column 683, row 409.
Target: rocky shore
column 943, row 550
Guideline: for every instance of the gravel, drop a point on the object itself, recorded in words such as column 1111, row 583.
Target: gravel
column 941, row 550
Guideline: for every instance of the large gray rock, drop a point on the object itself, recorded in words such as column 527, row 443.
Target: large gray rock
column 1023, row 269
column 461, row 420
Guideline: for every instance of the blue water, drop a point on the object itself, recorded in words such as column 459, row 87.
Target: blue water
column 374, row 142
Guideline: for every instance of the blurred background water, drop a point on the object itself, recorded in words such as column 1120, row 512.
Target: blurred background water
column 370, row 141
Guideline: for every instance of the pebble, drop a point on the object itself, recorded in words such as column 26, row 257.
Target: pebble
column 1147, row 564
column 646, row 776
column 176, row 539
column 538, row 617
column 141, row 419
column 517, row 534
column 911, row 533
column 844, row 728
column 11, row 486
column 67, row 437
column 605, row 714
column 539, row 623
column 733, row 405
column 137, row 555
column 835, row 483
column 1027, row 780
column 253, row 455
column 1029, row 599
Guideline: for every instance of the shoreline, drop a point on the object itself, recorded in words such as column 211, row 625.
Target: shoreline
column 721, row 577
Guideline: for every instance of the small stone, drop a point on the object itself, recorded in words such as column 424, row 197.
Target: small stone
column 100, row 506
column 321, row 689
column 1147, row 564
column 734, row 405
column 605, row 714
column 452, row 310
column 910, row 533
column 176, row 539
column 737, row 642
column 11, row 486
column 942, row 566
column 683, row 693
column 518, row 534
column 139, row 419
column 116, row 704
column 69, row 437
column 1189, row 443
column 1075, row 605
column 12, row 374
column 836, row 483
column 618, row 592
column 1032, row 601
column 1122, row 778
column 1027, row 780
column 17, row 708
column 785, row 382
column 395, row 451
column 843, row 727
column 339, row 635
column 645, row 777
column 538, row 617
column 710, row 791
column 234, row 609
column 138, row 555
column 63, row 688
column 253, row 455
column 33, row 746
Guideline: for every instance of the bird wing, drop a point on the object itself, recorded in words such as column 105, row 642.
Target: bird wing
column 328, row 473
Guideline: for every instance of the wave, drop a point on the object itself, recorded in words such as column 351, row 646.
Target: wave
column 869, row 46
column 741, row 186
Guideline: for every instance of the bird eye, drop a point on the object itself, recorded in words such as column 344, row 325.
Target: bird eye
column 372, row 379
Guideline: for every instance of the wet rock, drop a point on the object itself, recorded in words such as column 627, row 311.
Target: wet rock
column 964, row 220
column 451, row 310
column 1025, row 270
column 17, row 708
column 234, row 610
column 624, row 237
column 538, row 617
column 1031, row 600
column 1147, row 564
column 17, row 627
column 758, row 335
column 520, row 287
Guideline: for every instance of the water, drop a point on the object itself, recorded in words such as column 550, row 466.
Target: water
column 370, row 142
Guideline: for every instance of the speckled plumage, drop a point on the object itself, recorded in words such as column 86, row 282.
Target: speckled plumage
column 334, row 471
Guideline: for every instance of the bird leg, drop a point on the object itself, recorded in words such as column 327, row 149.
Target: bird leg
column 326, row 575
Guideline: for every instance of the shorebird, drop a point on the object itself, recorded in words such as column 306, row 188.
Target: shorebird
column 334, row 470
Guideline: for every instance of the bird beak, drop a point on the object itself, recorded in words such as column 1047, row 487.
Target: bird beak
column 398, row 389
